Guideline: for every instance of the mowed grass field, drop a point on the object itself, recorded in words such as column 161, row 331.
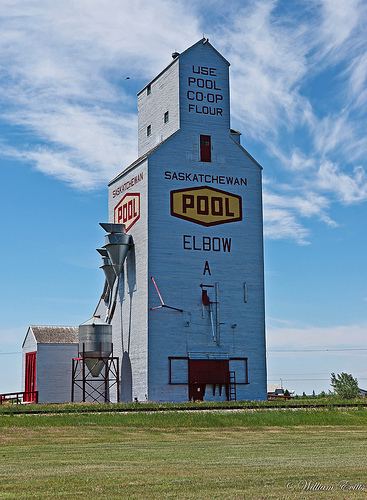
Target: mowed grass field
column 208, row 455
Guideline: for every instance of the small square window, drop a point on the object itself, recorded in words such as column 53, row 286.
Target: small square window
column 149, row 89
column 149, row 130
column 166, row 117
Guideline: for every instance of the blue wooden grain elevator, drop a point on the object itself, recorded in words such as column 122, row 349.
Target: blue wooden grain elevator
column 187, row 306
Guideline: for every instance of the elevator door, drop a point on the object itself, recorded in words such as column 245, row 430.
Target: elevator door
column 207, row 371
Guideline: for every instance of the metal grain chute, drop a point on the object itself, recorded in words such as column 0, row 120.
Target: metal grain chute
column 107, row 268
column 118, row 243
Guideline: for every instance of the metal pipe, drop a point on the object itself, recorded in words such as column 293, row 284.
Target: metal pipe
column 157, row 290
column 212, row 322
column 245, row 294
column 111, row 309
column 106, row 381
column 118, row 378
column 217, row 313
column 83, row 373
column 72, row 383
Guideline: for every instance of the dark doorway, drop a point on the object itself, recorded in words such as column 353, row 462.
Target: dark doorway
column 196, row 392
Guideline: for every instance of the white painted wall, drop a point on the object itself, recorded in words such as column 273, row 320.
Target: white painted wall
column 54, row 372
column 53, row 369
column 130, row 321
column 164, row 97
column 145, row 339
column 179, row 272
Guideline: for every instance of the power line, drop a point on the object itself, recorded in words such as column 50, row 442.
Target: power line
column 273, row 350
column 297, row 379
column 304, row 379
column 304, row 373
column 326, row 349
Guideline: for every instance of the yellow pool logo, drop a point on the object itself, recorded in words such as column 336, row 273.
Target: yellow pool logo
column 206, row 206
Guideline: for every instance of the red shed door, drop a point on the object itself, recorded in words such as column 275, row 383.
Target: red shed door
column 30, row 378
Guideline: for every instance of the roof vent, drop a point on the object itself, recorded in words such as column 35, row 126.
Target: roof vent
column 236, row 135
column 175, row 55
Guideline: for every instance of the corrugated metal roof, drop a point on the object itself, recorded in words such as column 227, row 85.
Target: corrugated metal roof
column 49, row 334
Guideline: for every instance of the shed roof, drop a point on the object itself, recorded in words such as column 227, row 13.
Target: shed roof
column 55, row 334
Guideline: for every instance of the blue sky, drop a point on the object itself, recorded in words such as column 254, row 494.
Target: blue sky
column 68, row 125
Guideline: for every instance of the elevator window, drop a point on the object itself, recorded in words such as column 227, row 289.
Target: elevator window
column 205, row 148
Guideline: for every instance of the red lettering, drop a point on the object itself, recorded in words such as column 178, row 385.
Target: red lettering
column 119, row 215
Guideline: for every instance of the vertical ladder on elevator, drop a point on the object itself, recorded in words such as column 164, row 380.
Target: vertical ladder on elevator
column 232, row 386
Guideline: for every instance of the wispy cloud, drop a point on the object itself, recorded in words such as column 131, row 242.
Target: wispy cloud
column 358, row 80
column 280, row 224
column 348, row 188
column 319, row 147
column 338, row 21
column 268, row 60
column 283, row 211
column 62, row 80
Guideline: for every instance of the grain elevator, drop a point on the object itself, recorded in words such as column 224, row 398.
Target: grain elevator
column 188, row 320
column 184, row 291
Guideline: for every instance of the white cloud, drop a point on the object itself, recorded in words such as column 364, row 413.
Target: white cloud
column 308, row 205
column 358, row 79
column 309, row 336
column 285, row 211
column 338, row 21
column 272, row 58
column 281, row 224
column 63, row 78
column 268, row 60
column 63, row 81
column 299, row 161
column 333, row 133
column 348, row 188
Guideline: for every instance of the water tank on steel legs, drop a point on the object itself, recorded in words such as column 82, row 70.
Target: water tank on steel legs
column 96, row 335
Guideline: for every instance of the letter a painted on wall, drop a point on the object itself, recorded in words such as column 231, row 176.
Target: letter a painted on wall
column 207, row 269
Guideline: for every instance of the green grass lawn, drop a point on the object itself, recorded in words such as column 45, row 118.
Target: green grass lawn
column 252, row 455
column 148, row 406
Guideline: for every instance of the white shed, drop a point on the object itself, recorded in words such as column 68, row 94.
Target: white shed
column 47, row 355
